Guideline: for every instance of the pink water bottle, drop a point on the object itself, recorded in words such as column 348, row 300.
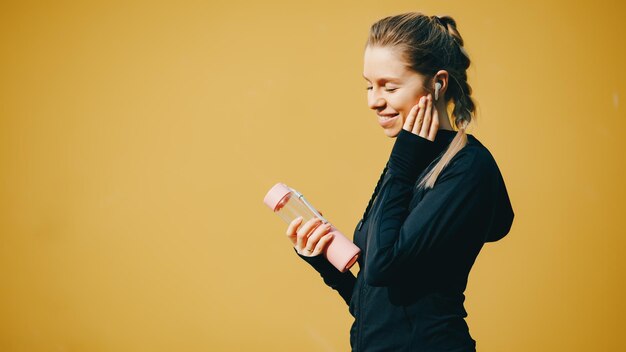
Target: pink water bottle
column 290, row 204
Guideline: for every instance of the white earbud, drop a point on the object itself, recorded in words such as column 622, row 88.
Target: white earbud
column 437, row 88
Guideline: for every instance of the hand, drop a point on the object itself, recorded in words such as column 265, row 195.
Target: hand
column 311, row 239
column 420, row 121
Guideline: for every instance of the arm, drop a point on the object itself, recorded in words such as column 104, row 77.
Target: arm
column 343, row 283
column 400, row 236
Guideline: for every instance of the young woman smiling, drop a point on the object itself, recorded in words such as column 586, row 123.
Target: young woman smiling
column 440, row 198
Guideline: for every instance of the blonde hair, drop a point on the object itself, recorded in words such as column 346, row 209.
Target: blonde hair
column 429, row 44
column 458, row 142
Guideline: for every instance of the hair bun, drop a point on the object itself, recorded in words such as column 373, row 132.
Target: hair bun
column 438, row 20
column 450, row 25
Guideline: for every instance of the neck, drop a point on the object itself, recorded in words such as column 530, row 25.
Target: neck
column 444, row 119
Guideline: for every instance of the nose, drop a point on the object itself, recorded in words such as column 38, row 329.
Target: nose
column 374, row 101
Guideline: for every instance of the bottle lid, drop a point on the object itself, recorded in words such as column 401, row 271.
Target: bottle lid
column 277, row 196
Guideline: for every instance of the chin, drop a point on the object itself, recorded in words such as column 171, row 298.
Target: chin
column 392, row 132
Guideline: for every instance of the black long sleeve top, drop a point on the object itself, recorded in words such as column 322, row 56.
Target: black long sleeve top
column 418, row 247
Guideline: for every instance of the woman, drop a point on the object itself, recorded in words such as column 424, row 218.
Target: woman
column 439, row 199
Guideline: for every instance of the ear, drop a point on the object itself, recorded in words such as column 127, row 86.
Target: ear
column 442, row 77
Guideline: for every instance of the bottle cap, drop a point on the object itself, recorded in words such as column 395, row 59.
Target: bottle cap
column 277, row 196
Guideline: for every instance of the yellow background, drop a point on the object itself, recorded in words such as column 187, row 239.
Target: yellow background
column 137, row 140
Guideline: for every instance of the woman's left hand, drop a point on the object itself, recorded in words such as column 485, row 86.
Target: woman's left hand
column 423, row 120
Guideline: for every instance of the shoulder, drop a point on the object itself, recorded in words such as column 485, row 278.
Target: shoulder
column 474, row 161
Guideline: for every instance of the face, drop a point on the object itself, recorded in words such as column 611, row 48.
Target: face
column 392, row 88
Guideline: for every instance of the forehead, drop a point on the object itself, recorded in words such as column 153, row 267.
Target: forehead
column 381, row 63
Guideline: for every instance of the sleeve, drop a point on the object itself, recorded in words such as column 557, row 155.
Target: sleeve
column 401, row 237
column 343, row 283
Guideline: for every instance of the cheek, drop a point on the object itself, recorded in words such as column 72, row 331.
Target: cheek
column 405, row 111
column 405, row 105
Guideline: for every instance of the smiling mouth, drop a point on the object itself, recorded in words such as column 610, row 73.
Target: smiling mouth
column 385, row 118
column 387, row 121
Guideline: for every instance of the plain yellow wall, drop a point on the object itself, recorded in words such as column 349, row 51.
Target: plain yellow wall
column 137, row 140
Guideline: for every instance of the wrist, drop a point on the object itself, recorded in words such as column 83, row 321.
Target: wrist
column 410, row 155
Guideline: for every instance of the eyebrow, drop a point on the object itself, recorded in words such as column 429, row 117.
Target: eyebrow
column 389, row 79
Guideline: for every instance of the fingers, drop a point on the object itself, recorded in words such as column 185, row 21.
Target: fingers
column 434, row 126
column 303, row 233
column 423, row 119
column 322, row 244
column 420, row 116
column 292, row 228
column 410, row 120
column 312, row 240
column 425, row 128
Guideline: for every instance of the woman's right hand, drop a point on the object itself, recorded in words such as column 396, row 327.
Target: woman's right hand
column 311, row 239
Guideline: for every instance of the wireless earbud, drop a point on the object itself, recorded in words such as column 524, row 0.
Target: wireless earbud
column 437, row 88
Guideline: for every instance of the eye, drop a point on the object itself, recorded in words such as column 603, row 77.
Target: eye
column 386, row 89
